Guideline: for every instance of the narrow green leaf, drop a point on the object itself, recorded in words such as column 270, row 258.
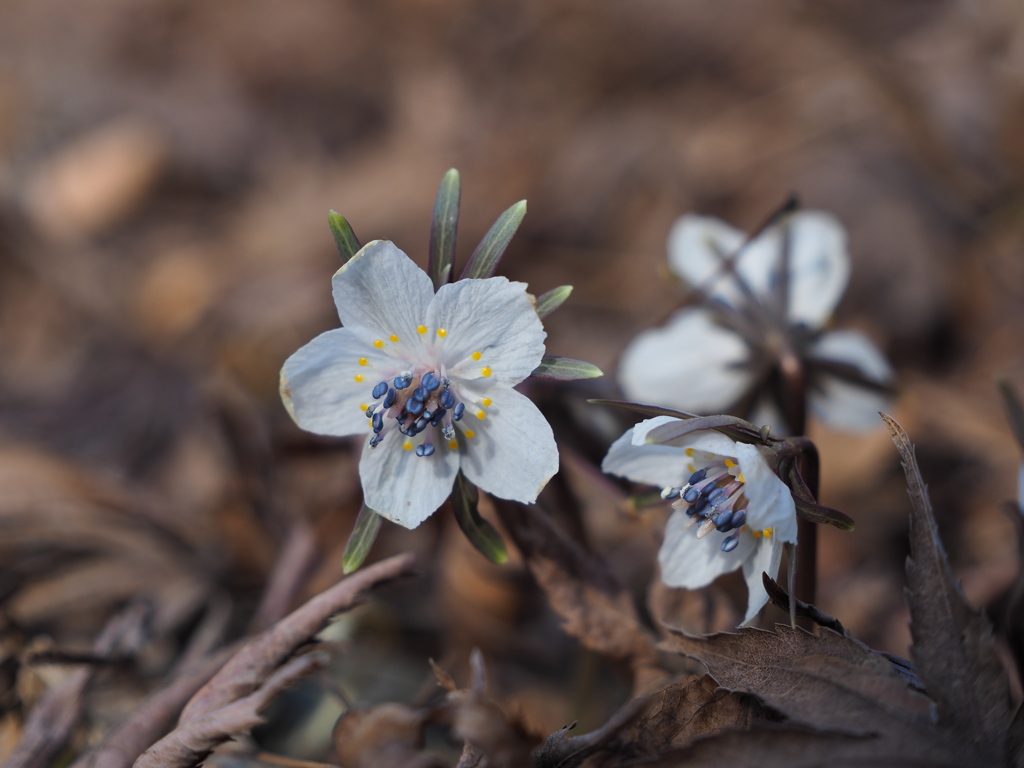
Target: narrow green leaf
column 552, row 300
column 443, row 227
column 481, row 534
column 364, row 533
column 485, row 258
column 344, row 238
column 565, row 369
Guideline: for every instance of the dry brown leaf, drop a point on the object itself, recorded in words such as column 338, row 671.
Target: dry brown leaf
column 596, row 609
column 189, row 744
column 953, row 648
column 387, row 734
column 248, row 668
column 829, row 682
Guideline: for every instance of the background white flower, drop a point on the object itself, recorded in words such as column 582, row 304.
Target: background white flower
column 428, row 378
column 730, row 510
column 724, row 356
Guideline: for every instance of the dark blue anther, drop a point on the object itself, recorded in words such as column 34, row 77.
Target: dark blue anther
column 390, row 397
column 369, row 411
column 438, row 415
column 724, row 522
column 691, row 510
column 701, row 505
column 730, row 543
column 401, row 382
column 739, row 518
column 716, row 497
column 414, row 406
column 690, row 495
column 697, row 476
column 447, row 399
column 421, row 392
column 380, row 390
column 459, row 410
column 421, row 423
column 430, row 381
column 425, row 450
column 378, row 422
column 670, row 493
column 375, row 440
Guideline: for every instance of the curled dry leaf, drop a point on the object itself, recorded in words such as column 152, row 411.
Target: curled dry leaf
column 953, row 648
column 248, row 668
column 189, row 745
column 388, row 734
column 492, row 737
column 649, row 725
column 231, row 702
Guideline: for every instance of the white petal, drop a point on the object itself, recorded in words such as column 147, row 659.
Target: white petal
column 697, row 246
column 691, row 363
column 702, row 439
column 494, row 317
column 766, row 558
column 689, row 562
column 661, row 465
column 771, row 503
column 403, row 487
column 819, row 267
column 839, row 403
column 319, row 387
column 819, row 264
column 380, row 292
column 512, row 454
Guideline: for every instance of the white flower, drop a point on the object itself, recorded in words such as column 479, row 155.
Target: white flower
column 428, row 378
column 710, row 359
column 730, row 510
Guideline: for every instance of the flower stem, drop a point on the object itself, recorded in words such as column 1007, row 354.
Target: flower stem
column 794, row 396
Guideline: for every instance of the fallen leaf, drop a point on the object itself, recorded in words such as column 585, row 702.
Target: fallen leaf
column 953, row 648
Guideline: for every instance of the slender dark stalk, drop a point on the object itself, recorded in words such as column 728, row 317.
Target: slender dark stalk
column 794, row 382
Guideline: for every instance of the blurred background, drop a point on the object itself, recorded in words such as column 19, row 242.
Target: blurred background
column 166, row 169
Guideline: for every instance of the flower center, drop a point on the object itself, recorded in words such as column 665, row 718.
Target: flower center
column 412, row 404
column 713, row 497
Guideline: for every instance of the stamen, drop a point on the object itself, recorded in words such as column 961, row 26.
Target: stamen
column 358, row 378
column 414, row 406
column 377, row 421
column 447, row 399
column 421, row 329
column 730, row 543
column 481, row 414
column 458, row 411
column 485, row 371
column 390, row 397
column 363, row 361
column 705, row 528
column 380, row 390
column 442, row 332
column 486, row 402
column 670, row 493
column 393, row 338
column 378, row 343
column 426, row 449
column 476, row 355
column 407, row 445
column 448, row 431
column 739, row 518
